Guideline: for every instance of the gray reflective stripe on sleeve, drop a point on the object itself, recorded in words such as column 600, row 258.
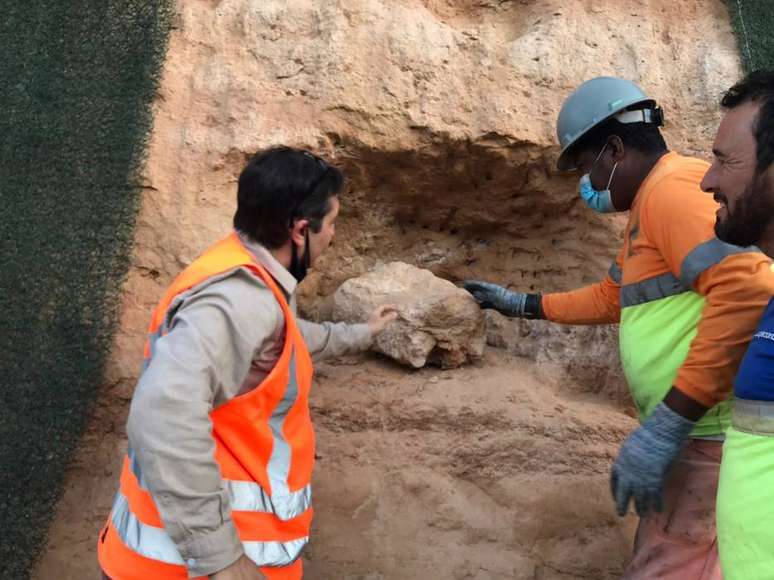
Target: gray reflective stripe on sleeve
column 705, row 256
column 155, row 543
column 615, row 272
column 651, row 289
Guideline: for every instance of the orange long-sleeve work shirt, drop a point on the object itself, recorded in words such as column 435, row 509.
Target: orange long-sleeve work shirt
column 686, row 302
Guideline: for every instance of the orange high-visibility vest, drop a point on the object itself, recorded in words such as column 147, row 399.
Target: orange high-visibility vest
column 264, row 445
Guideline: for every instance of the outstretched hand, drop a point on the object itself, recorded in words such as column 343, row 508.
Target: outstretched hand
column 490, row 295
column 381, row 317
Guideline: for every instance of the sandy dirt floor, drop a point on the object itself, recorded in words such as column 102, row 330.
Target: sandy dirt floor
column 498, row 470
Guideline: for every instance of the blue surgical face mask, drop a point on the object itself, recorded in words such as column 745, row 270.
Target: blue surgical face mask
column 599, row 201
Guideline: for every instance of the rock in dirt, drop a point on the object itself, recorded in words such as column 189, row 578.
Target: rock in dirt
column 437, row 323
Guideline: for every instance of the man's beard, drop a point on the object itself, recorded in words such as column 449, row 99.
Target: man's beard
column 752, row 214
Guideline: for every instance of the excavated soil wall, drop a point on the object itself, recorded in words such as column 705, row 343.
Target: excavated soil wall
column 441, row 114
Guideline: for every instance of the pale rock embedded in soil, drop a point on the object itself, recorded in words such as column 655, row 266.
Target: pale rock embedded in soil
column 437, row 322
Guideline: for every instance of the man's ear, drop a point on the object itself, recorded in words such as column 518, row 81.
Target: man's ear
column 298, row 232
column 617, row 149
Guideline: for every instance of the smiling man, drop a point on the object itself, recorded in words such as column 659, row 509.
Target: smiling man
column 742, row 180
column 686, row 314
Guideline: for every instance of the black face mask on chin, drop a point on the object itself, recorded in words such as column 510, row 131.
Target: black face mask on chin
column 300, row 266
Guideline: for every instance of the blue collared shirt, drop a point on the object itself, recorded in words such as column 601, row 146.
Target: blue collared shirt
column 755, row 379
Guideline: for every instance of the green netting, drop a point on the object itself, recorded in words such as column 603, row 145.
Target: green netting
column 78, row 79
column 753, row 22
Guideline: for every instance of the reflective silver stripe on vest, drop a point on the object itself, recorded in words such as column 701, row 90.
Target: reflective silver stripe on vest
column 155, row 543
column 248, row 496
column 275, row 553
column 756, row 417
column 146, row 540
column 705, row 256
column 287, row 504
column 651, row 289
column 615, row 272
column 135, row 467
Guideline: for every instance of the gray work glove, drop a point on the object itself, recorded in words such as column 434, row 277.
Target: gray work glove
column 644, row 460
column 516, row 304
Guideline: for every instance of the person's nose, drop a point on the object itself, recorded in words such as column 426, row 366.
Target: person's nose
column 709, row 181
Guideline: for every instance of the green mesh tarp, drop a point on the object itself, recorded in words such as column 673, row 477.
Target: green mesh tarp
column 77, row 79
column 753, row 22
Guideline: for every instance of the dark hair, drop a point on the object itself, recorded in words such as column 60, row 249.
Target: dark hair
column 643, row 137
column 757, row 87
column 278, row 187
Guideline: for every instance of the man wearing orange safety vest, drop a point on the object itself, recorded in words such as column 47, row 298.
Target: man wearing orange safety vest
column 216, row 479
column 686, row 308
